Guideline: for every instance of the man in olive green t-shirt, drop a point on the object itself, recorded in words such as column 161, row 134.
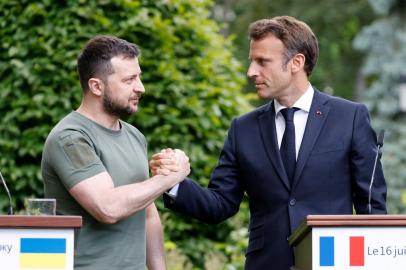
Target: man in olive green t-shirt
column 96, row 165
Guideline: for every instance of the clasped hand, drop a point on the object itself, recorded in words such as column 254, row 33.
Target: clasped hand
column 170, row 161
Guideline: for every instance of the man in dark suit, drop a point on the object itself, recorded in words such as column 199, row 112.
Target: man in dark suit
column 303, row 153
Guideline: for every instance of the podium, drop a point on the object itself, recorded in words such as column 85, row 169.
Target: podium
column 345, row 242
column 37, row 242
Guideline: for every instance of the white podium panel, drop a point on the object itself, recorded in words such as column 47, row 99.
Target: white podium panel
column 359, row 248
column 41, row 249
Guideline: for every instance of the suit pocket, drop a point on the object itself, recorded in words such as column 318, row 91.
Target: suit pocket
column 327, row 148
column 256, row 235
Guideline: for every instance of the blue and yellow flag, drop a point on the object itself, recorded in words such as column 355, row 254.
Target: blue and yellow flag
column 43, row 253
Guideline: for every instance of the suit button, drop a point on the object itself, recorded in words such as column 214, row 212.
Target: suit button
column 292, row 202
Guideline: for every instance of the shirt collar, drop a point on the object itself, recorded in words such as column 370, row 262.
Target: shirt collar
column 304, row 102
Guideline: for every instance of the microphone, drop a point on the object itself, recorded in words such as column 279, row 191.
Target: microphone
column 10, row 208
column 379, row 143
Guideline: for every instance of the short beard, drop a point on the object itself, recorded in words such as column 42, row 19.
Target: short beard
column 112, row 108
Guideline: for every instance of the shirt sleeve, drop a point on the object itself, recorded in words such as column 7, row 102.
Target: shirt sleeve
column 72, row 155
column 173, row 192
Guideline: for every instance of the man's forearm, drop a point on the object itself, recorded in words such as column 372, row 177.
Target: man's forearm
column 155, row 240
column 109, row 204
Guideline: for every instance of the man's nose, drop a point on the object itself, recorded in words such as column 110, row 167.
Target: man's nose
column 252, row 71
column 139, row 87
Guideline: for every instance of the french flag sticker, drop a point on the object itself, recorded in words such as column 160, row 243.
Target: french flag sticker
column 357, row 251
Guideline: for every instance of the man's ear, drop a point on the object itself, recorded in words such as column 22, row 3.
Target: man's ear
column 298, row 62
column 96, row 86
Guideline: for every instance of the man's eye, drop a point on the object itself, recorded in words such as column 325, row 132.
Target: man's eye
column 262, row 62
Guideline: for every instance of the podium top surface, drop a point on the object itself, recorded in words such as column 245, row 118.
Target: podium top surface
column 354, row 220
column 40, row 222
column 346, row 221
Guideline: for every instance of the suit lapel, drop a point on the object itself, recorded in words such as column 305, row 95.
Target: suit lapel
column 315, row 121
column 269, row 139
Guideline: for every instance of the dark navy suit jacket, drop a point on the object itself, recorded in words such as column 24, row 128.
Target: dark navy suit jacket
column 332, row 176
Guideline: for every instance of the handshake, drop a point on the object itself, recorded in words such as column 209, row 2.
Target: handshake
column 170, row 162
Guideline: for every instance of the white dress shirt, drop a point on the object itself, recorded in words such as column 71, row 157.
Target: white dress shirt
column 300, row 119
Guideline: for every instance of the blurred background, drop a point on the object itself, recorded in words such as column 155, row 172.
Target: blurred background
column 194, row 59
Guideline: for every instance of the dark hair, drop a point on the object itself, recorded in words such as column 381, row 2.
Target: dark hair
column 94, row 60
column 296, row 36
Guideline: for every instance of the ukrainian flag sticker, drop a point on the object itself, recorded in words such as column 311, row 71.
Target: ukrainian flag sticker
column 42, row 253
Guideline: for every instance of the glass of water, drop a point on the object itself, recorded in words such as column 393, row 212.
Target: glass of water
column 41, row 207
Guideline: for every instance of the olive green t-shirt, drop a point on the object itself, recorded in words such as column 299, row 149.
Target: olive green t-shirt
column 78, row 148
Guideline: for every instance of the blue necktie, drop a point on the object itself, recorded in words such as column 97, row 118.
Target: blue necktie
column 288, row 149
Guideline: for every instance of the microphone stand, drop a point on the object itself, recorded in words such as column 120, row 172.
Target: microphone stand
column 378, row 156
column 10, row 208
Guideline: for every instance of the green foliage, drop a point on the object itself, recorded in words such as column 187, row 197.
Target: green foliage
column 192, row 92
column 384, row 41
